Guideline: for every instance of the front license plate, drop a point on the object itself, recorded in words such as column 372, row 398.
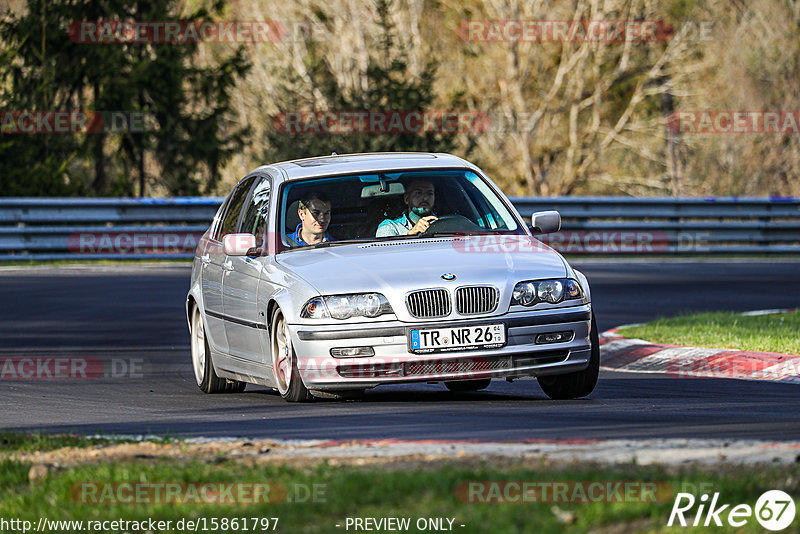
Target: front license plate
column 486, row 336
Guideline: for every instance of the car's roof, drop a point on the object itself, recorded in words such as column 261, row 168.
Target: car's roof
column 366, row 163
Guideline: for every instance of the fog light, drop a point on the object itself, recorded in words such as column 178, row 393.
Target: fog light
column 352, row 352
column 554, row 337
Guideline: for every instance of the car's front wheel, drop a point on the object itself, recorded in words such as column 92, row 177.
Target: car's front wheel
column 284, row 362
column 580, row 383
column 204, row 373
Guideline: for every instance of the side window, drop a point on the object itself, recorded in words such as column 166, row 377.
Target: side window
column 257, row 212
column 217, row 222
column 235, row 204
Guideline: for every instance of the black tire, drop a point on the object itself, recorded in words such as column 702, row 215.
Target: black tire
column 468, row 385
column 580, row 383
column 202, row 364
column 284, row 362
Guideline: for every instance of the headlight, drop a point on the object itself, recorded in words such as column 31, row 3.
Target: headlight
column 553, row 291
column 346, row 306
column 524, row 293
column 550, row 290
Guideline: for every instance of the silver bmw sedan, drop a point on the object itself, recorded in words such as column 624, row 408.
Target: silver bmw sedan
column 327, row 276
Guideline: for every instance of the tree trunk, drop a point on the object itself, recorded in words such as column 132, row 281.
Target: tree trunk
column 100, row 183
column 672, row 149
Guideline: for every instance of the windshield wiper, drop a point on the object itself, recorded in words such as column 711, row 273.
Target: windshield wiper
column 342, row 242
column 326, row 244
column 444, row 234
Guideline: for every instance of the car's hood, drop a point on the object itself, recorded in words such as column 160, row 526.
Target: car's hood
column 404, row 265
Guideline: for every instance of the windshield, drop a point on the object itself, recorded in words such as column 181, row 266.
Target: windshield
column 369, row 207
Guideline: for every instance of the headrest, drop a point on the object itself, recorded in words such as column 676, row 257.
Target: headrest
column 292, row 218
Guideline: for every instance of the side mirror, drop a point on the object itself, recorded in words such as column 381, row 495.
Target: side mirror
column 546, row 222
column 238, row 244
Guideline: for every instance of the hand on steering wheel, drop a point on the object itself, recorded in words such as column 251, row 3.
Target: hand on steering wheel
column 422, row 225
column 450, row 224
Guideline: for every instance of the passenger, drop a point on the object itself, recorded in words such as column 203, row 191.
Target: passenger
column 419, row 198
column 315, row 216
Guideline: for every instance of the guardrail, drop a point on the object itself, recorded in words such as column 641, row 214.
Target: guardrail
column 717, row 225
column 150, row 228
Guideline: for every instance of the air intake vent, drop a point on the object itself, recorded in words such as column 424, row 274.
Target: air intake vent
column 473, row 300
column 428, row 303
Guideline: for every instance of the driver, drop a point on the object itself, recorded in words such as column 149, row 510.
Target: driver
column 418, row 215
column 315, row 216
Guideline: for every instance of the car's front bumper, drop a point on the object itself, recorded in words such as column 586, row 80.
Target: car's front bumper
column 393, row 362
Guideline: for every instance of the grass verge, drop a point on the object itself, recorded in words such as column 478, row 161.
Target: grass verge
column 726, row 330
column 14, row 442
column 319, row 497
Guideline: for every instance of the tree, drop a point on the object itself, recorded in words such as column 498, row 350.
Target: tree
column 387, row 86
column 187, row 140
column 32, row 164
column 582, row 114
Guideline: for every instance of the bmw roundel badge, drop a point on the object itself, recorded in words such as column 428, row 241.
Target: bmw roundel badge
column 448, row 276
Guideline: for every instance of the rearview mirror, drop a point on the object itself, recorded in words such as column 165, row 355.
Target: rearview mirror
column 238, row 244
column 384, row 188
column 546, row 222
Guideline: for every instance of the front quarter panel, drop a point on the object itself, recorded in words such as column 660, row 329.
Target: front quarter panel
column 195, row 283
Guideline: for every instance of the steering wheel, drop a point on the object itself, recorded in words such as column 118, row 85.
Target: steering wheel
column 451, row 223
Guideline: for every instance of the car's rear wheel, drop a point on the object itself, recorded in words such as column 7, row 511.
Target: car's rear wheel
column 204, row 373
column 468, row 385
column 580, row 383
column 284, row 362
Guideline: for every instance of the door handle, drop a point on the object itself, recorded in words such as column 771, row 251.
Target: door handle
column 206, row 259
column 227, row 266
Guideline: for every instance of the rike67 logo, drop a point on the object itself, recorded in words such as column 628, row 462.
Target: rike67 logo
column 774, row 510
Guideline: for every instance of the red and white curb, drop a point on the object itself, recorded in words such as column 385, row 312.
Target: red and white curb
column 618, row 353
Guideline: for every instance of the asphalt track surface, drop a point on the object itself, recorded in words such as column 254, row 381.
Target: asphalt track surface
column 134, row 315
